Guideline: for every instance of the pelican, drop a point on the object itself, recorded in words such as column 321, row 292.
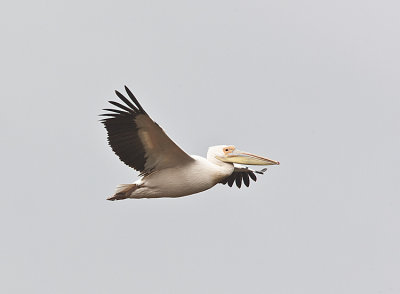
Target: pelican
column 165, row 169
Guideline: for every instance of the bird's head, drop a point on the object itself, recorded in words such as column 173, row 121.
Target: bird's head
column 229, row 153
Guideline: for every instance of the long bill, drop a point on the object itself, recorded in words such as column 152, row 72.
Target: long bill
column 242, row 157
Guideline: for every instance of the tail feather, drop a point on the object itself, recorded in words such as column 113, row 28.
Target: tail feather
column 123, row 191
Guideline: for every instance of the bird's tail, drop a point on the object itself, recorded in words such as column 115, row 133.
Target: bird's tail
column 123, row 191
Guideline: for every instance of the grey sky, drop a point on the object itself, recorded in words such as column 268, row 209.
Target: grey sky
column 313, row 84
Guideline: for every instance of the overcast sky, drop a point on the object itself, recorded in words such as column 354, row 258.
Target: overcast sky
column 312, row 84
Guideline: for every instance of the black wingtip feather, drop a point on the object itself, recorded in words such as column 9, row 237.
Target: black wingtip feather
column 128, row 108
column 127, row 102
column 239, row 180
column 231, row 180
column 116, row 111
column 122, row 106
column 253, row 176
column 240, row 175
column 108, row 114
column 121, row 127
column 261, row 172
column 246, row 179
column 133, row 98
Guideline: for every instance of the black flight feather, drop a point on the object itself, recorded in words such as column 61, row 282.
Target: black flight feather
column 122, row 131
column 127, row 102
column 240, row 175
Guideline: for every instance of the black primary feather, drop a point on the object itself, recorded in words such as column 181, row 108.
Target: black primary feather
column 127, row 102
column 246, row 180
column 122, row 131
column 239, row 180
column 240, row 175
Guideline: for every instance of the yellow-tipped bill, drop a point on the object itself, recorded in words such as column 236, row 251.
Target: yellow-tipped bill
column 246, row 158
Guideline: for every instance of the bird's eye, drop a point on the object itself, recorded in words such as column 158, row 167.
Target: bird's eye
column 226, row 149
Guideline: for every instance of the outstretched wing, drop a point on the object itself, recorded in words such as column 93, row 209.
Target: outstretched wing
column 137, row 140
column 242, row 174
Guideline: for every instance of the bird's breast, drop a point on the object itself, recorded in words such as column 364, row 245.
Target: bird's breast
column 183, row 180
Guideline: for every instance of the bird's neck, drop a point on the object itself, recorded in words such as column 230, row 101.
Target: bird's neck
column 224, row 168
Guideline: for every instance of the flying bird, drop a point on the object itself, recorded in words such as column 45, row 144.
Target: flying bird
column 165, row 169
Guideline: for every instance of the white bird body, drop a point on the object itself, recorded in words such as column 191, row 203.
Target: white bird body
column 191, row 178
column 166, row 170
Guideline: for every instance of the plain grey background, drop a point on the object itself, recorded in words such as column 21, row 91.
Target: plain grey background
column 313, row 84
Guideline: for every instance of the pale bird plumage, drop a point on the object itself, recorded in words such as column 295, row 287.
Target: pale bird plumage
column 165, row 169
